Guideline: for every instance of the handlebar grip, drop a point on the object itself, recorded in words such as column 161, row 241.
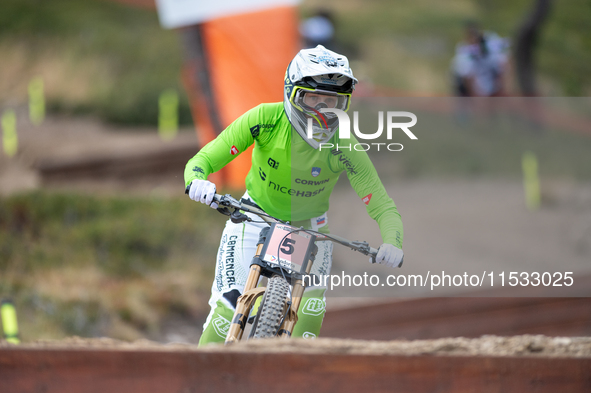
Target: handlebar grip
column 216, row 197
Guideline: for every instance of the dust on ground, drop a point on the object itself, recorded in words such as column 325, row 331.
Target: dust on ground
column 525, row 345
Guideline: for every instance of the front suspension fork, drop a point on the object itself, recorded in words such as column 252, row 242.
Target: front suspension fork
column 250, row 295
column 245, row 301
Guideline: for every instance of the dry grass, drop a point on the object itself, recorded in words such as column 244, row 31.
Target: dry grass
column 66, row 79
column 105, row 266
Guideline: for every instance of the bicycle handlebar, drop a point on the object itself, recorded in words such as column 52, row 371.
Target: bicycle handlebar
column 227, row 201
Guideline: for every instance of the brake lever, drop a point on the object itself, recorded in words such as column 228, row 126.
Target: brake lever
column 224, row 210
column 238, row 217
column 362, row 247
column 365, row 249
column 227, row 200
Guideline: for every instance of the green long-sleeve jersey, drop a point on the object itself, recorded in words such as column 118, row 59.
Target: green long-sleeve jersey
column 288, row 178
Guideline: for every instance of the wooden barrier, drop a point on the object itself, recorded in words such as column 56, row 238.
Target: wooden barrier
column 124, row 371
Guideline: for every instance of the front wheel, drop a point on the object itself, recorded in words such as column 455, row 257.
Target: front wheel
column 272, row 308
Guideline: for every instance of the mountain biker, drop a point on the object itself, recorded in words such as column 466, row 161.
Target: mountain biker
column 291, row 178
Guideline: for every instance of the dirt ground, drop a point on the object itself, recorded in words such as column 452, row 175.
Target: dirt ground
column 526, row 345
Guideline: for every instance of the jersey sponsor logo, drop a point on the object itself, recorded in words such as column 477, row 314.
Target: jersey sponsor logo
column 254, row 130
column 262, row 174
column 314, row 306
column 221, row 326
column 316, row 171
column 346, row 162
column 311, row 182
column 272, row 163
column 308, row 335
column 294, row 192
column 366, row 199
column 198, row 170
column 234, row 150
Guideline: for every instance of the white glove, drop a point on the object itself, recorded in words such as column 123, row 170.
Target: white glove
column 389, row 255
column 203, row 191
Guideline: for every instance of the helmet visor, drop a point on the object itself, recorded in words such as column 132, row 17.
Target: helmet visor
column 318, row 99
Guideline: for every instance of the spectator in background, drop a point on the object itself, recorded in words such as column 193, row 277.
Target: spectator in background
column 480, row 63
column 318, row 30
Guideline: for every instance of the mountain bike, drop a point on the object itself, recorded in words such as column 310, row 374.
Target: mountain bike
column 284, row 255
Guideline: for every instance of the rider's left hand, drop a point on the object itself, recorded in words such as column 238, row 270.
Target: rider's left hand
column 390, row 255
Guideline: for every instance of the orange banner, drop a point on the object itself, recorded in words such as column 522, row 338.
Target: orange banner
column 242, row 62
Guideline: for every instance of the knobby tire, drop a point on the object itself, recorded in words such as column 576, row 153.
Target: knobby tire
column 272, row 308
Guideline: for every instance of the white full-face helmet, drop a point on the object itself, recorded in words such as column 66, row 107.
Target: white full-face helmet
column 317, row 78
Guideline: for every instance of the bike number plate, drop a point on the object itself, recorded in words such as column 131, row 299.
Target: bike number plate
column 288, row 250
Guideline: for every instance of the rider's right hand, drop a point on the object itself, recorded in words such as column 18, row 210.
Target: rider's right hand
column 203, row 191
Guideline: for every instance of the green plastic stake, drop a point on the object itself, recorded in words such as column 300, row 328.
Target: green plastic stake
column 36, row 101
column 531, row 181
column 9, row 324
column 9, row 137
column 168, row 114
